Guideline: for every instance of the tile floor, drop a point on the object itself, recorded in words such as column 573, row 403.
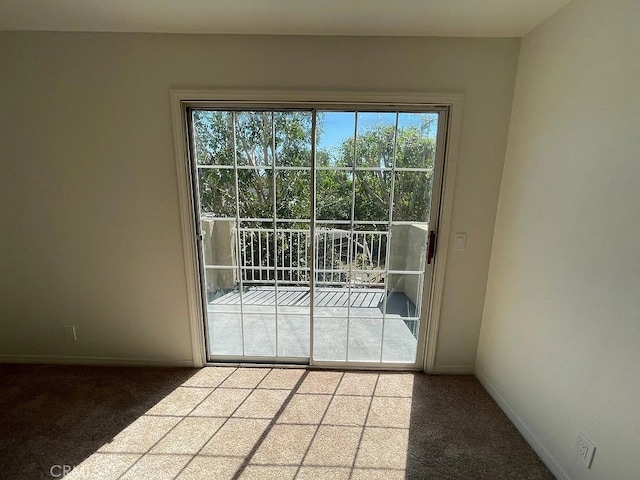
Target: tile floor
column 260, row 423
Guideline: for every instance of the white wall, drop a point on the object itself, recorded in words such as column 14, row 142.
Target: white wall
column 560, row 341
column 89, row 212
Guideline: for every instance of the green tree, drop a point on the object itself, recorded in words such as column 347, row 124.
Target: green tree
column 260, row 137
column 414, row 148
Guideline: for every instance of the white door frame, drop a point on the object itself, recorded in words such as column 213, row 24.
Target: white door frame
column 181, row 99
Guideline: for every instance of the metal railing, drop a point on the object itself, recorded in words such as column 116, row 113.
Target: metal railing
column 342, row 257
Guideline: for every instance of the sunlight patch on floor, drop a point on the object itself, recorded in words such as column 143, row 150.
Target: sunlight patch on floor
column 260, row 423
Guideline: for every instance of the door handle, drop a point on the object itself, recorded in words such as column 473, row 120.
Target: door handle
column 431, row 246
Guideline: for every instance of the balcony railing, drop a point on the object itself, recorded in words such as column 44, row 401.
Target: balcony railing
column 342, row 257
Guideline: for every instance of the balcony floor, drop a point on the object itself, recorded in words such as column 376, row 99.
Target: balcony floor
column 330, row 324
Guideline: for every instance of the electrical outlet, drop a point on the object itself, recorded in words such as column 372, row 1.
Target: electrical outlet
column 585, row 449
column 70, row 333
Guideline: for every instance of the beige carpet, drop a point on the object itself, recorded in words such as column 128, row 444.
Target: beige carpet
column 253, row 423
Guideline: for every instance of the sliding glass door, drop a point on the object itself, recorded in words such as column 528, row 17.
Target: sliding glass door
column 254, row 196
column 314, row 228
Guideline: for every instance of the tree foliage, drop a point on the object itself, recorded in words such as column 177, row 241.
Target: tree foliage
column 261, row 137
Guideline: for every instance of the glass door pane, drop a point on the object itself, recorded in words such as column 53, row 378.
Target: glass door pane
column 292, row 215
column 333, row 239
column 254, row 191
column 374, row 175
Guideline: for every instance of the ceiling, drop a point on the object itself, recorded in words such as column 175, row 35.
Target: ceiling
column 467, row 18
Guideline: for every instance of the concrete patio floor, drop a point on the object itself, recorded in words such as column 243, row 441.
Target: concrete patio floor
column 336, row 338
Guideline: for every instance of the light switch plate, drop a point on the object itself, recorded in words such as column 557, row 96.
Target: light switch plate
column 460, row 242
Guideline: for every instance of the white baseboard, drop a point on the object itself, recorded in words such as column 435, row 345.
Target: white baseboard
column 453, row 370
column 106, row 361
column 531, row 439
